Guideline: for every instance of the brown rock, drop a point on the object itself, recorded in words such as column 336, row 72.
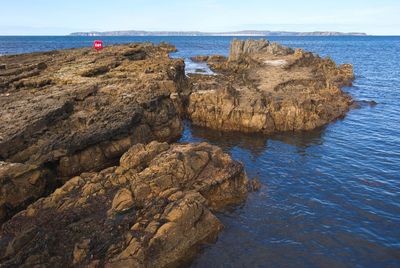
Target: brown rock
column 178, row 186
column 77, row 110
column 240, row 49
column 209, row 59
column 199, row 58
column 20, row 184
column 265, row 87
column 80, row 251
column 122, row 201
column 255, row 184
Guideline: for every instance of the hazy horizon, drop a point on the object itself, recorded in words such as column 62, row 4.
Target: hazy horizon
column 45, row 17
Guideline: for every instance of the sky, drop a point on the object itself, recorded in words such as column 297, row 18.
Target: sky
column 50, row 17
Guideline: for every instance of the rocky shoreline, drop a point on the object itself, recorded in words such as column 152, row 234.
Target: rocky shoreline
column 87, row 154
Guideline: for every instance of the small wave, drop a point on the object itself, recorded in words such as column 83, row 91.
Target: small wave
column 197, row 68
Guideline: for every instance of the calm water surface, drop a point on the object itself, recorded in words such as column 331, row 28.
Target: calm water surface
column 331, row 197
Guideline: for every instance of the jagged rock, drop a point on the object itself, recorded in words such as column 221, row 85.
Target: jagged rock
column 20, row 185
column 154, row 210
column 268, row 88
column 240, row 49
column 79, row 110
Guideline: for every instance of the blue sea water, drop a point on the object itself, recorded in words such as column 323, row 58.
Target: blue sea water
column 331, row 197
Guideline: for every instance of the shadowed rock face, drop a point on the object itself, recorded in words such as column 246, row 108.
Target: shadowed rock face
column 153, row 210
column 77, row 110
column 20, row 185
column 265, row 87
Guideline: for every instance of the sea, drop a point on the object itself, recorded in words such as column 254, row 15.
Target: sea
column 329, row 197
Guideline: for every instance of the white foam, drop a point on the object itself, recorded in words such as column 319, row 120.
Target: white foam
column 197, row 68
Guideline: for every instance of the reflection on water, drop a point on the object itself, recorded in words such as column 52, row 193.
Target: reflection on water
column 254, row 143
column 310, row 211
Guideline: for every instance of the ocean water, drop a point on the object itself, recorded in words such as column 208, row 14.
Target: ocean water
column 330, row 197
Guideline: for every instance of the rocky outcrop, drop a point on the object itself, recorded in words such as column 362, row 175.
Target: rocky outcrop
column 153, row 210
column 265, row 87
column 78, row 110
column 241, row 49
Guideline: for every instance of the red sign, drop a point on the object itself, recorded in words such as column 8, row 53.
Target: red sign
column 98, row 45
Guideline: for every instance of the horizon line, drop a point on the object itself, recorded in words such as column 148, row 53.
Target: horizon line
column 69, row 35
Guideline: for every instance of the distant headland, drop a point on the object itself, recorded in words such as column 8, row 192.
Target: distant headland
column 196, row 33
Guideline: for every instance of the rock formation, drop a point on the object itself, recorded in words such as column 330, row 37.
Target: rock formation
column 153, row 210
column 77, row 110
column 265, row 87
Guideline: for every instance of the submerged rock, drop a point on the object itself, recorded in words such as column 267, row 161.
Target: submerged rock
column 265, row 87
column 154, row 210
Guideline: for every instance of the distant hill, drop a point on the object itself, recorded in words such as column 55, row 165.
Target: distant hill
column 194, row 33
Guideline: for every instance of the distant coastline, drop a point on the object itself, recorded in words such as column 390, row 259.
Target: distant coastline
column 196, row 33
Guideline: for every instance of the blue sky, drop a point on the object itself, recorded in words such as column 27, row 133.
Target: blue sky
column 51, row 17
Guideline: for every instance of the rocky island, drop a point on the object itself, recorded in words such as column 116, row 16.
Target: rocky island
column 89, row 171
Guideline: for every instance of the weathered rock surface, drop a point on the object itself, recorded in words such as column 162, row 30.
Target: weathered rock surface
column 265, row 87
column 78, row 110
column 20, row 185
column 153, row 210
